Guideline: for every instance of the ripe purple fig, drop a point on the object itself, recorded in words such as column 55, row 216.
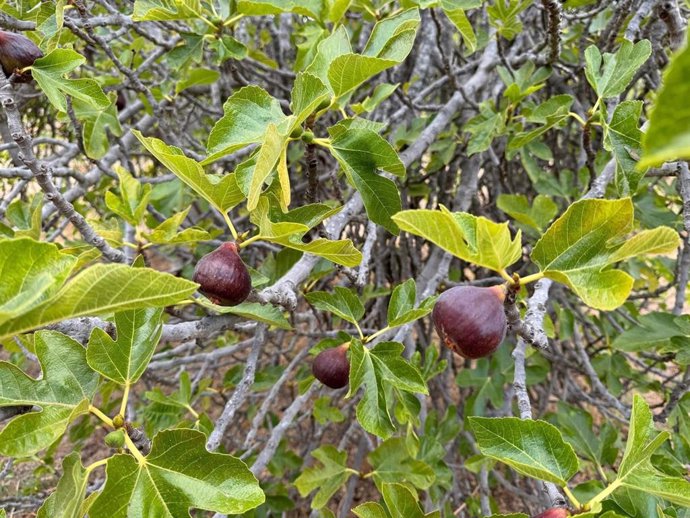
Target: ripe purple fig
column 17, row 52
column 554, row 512
column 223, row 277
column 471, row 320
column 331, row 367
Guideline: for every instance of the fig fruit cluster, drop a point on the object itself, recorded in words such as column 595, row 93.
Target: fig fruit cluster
column 223, row 277
column 331, row 367
column 17, row 52
column 471, row 320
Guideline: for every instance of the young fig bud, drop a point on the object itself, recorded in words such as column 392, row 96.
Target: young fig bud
column 223, row 277
column 555, row 512
column 17, row 52
column 115, row 439
column 331, row 367
column 118, row 421
column 470, row 320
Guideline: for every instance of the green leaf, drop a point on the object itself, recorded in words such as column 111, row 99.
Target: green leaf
column 537, row 216
column 652, row 330
column 96, row 125
column 401, row 309
column 377, row 370
column 400, row 501
column 360, row 153
column 636, row 471
column 31, row 273
column 311, row 8
column 66, row 500
column 381, row 92
column 290, row 234
column 622, row 138
column 163, row 10
column 668, row 136
column 103, row 288
column 342, row 302
column 462, row 23
column 392, row 461
column 370, row 510
column 591, row 235
column 270, row 315
column 125, row 359
column 167, row 232
column 483, row 128
column 548, row 114
column 178, row 474
column 327, row 478
column 49, row 72
column 470, row 238
column 220, row 191
column 576, row 425
column 348, row 71
column 393, row 37
column 63, row 393
column 197, row 77
column 133, row 199
column 307, row 95
column 247, row 114
column 336, row 44
column 533, row 448
column 610, row 75
column 504, row 15
column 272, row 147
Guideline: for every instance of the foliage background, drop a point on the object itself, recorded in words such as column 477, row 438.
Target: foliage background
column 494, row 108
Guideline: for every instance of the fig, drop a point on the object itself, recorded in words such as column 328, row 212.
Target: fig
column 17, row 52
column 223, row 277
column 471, row 320
column 554, row 512
column 115, row 439
column 331, row 367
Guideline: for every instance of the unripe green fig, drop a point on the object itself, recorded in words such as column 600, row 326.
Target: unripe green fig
column 331, row 367
column 223, row 277
column 308, row 137
column 116, row 439
column 118, row 421
column 555, row 512
column 17, row 52
column 297, row 132
column 471, row 320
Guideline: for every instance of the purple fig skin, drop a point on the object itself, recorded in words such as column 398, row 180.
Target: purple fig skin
column 223, row 277
column 556, row 512
column 332, row 368
column 471, row 320
column 17, row 52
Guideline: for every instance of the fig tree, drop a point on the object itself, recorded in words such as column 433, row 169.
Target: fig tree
column 331, row 367
column 223, row 277
column 17, row 52
column 470, row 320
column 555, row 512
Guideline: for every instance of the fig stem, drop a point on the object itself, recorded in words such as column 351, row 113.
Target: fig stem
column 573, row 499
column 125, row 397
column 230, row 225
column 96, row 464
column 506, row 276
column 95, row 411
column 377, row 333
column 531, row 278
column 602, row 496
column 249, row 241
column 232, row 20
column 359, row 330
column 134, row 450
